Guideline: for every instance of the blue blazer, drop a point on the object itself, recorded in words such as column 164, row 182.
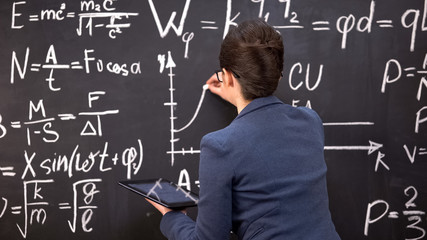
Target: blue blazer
column 262, row 177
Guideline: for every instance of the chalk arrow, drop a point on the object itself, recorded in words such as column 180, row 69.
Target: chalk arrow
column 170, row 63
column 373, row 146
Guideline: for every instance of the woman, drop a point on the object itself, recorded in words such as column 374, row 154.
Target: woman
column 263, row 176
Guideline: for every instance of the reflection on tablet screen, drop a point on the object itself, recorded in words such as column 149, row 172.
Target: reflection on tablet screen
column 165, row 192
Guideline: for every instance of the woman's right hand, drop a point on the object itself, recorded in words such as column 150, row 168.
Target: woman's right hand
column 214, row 85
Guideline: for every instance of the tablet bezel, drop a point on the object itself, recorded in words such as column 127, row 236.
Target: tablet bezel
column 175, row 205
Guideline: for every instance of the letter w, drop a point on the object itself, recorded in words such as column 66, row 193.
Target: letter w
column 178, row 30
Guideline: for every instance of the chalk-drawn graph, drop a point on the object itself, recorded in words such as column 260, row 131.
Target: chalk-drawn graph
column 170, row 64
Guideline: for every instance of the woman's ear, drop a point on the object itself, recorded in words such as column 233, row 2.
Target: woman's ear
column 228, row 78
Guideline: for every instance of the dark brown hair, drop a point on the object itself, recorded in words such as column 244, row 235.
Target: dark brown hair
column 254, row 51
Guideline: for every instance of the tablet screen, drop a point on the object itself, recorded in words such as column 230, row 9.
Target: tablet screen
column 163, row 192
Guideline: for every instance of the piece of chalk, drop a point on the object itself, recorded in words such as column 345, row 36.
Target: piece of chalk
column 205, row 87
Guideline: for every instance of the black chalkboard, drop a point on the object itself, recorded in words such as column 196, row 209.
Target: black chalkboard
column 97, row 91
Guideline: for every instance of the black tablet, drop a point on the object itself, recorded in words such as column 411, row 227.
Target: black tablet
column 163, row 192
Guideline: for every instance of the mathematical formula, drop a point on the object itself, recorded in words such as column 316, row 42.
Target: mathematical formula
column 35, row 209
column 413, row 215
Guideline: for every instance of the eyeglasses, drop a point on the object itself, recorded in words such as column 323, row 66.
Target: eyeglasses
column 220, row 72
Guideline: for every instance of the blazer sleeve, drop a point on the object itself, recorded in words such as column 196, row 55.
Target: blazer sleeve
column 317, row 123
column 214, row 219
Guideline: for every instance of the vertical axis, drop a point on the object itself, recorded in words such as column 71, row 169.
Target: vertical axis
column 172, row 117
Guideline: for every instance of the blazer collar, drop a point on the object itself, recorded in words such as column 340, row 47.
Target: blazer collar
column 259, row 103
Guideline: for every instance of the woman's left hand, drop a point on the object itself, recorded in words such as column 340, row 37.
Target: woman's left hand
column 162, row 209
